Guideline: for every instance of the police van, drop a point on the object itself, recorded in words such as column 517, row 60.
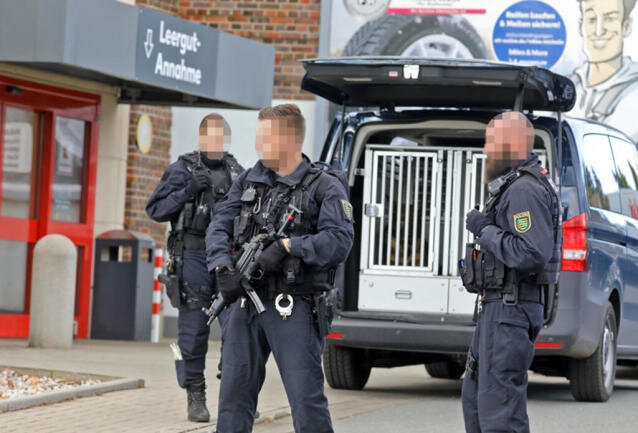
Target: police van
column 411, row 145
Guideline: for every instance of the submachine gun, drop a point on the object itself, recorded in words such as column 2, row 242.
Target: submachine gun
column 247, row 266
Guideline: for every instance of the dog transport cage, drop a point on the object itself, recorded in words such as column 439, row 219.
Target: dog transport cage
column 415, row 201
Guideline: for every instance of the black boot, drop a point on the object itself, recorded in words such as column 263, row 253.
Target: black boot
column 196, row 394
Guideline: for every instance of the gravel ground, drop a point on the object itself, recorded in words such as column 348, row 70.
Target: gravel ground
column 16, row 385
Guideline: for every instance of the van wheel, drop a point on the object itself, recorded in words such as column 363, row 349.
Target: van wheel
column 448, row 369
column 592, row 379
column 345, row 367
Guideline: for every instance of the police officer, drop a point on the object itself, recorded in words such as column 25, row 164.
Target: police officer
column 517, row 251
column 297, row 268
column 186, row 196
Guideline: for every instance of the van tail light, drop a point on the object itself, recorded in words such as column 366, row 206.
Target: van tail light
column 575, row 244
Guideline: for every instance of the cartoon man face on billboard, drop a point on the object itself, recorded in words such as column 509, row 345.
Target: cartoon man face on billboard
column 604, row 24
column 607, row 84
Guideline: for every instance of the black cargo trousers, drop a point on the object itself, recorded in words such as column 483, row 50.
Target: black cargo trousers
column 192, row 327
column 248, row 340
column 495, row 397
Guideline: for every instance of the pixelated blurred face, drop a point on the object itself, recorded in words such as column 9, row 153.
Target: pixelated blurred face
column 603, row 29
column 213, row 140
column 277, row 142
column 507, row 141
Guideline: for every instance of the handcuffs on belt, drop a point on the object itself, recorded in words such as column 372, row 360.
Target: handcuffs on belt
column 284, row 310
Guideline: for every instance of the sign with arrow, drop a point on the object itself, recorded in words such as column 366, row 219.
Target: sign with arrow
column 175, row 53
column 148, row 44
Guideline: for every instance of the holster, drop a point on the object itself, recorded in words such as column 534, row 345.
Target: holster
column 195, row 297
column 323, row 312
column 172, row 283
column 510, row 288
column 297, row 278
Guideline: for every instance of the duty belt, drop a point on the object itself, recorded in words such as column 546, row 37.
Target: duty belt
column 526, row 293
column 269, row 292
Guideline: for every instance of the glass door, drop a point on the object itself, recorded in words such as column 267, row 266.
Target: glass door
column 21, row 158
column 69, row 207
column 48, row 148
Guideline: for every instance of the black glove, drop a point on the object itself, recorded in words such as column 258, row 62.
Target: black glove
column 272, row 257
column 476, row 221
column 199, row 182
column 228, row 281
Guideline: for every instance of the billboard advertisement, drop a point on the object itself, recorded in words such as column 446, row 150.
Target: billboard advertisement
column 590, row 41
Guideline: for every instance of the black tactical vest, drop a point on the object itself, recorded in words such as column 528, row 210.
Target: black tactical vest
column 263, row 206
column 551, row 270
column 197, row 214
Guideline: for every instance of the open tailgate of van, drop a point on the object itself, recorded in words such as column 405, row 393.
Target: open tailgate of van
column 410, row 81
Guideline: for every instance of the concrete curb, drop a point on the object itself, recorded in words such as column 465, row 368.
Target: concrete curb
column 69, row 394
column 269, row 416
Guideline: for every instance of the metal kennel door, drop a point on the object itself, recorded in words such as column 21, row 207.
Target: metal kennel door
column 400, row 231
column 400, row 188
column 413, row 230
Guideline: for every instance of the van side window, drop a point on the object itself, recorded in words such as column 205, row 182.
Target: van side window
column 600, row 173
column 626, row 158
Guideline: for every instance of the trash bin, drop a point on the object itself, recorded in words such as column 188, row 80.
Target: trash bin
column 122, row 286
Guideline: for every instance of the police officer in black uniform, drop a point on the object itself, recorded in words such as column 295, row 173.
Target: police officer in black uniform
column 186, row 196
column 298, row 269
column 517, row 251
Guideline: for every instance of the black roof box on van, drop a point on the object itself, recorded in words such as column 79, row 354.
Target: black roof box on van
column 412, row 81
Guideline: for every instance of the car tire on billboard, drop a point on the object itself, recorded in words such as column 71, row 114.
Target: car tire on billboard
column 442, row 36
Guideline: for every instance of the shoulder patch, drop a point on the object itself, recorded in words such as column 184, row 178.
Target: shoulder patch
column 522, row 222
column 347, row 209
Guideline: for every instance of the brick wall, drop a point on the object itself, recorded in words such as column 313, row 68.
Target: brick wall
column 290, row 26
column 144, row 170
column 166, row 6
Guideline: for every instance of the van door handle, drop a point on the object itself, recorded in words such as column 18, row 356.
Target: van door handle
column 403, row 294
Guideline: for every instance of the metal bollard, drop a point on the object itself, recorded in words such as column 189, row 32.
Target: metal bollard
column 53, row 292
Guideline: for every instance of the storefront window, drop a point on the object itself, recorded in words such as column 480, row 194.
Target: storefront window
column 20, row 155
column 13, row 268
column 69, row 174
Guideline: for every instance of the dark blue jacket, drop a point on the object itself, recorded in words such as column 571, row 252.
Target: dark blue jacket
column 170, row 195
column 328, row 247
column 522, row 236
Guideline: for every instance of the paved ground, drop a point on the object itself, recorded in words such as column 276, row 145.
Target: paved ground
column 399, row 400
column 433, row 406
column 160, row 406
column 551, row 409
